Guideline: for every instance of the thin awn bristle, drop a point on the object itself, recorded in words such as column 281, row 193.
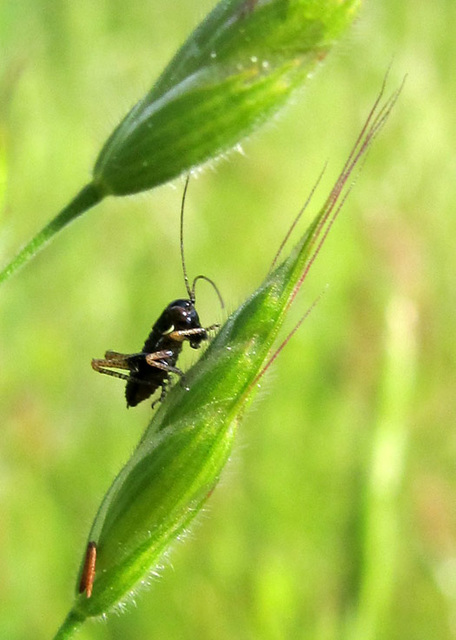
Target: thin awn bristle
column 372, row 126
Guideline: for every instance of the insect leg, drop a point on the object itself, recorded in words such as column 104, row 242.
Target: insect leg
column 112, row 359
column 115, row 355
column 186, row 333
column 163, row 392
column 158, row 355
column 115, row 374
column 154, row 360
column 100, row 366
column 212, row 327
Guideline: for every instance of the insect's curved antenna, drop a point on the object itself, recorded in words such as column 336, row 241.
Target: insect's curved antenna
column 191, row 291
column 217, row 291
column 184, row 269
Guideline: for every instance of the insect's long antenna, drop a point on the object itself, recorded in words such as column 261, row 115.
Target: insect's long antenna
column 192, row 298
column 191, row 292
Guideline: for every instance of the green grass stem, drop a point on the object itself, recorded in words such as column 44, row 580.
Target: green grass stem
column 70, row 625
column 89, row 196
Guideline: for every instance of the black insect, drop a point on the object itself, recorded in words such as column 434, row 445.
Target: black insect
column 151, row 367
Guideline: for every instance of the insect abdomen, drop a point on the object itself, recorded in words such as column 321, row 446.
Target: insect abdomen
column 136, row 392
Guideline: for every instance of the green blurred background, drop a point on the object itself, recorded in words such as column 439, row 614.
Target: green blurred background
column 336, row 517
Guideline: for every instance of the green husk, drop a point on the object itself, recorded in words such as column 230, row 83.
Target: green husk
column 236, row 69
